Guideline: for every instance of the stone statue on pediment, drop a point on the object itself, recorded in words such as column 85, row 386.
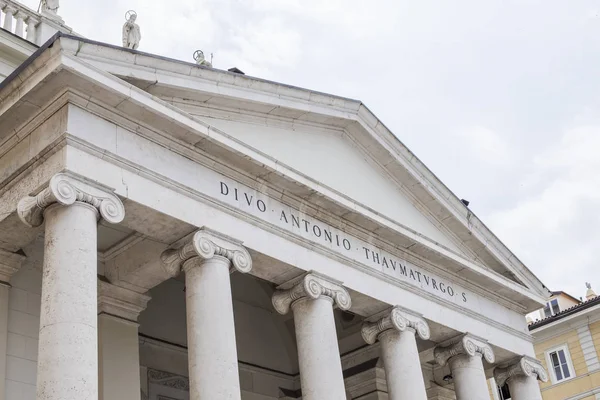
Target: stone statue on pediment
column 201, row 60
column 50, row 6
column 131, row 31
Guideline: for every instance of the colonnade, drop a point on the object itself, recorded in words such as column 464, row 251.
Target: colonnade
column 68, row 348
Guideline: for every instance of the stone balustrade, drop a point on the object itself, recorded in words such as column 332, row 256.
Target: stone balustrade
column 28, row 24
column 19, row 20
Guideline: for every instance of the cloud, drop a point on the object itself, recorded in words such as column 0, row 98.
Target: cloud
column 556, row 228
column 268, row 43
column 487, row 146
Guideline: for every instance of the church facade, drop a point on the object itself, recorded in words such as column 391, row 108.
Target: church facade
column 170, row 231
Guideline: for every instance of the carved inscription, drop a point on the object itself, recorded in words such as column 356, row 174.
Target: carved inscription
column 321, row 233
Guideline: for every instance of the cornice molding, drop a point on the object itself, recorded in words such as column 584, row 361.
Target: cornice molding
column 120, row 302
column 313, row 286
column 66, row 190
column 524, row 366
column 206, row 244
column 10, row 263
column 397, row 318
column 468, row 345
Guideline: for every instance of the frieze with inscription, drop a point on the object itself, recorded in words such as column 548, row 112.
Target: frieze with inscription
column 321, row 233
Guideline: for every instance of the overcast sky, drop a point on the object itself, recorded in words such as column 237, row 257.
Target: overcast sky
column 499, row 98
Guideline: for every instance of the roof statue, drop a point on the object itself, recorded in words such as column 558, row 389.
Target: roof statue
column 50, row 8
column 131, row 31
column 200, row 60
column 589, row 294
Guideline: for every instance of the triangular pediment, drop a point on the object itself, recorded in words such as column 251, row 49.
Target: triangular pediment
column 331, row 158
column 328, row 147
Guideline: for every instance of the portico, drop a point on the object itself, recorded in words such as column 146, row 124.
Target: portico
column 199, row 234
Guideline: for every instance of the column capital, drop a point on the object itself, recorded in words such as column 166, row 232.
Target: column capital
column 120, row 302
column 524, row 366
column 206, row 244
column 466, row 344
column 66, row 190
column 397, row 318
column 311, row 285
column 10, row 263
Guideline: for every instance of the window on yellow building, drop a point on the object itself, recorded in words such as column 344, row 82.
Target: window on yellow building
column 559, row 361
column 552, row 308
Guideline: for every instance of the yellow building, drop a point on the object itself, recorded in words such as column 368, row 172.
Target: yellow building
column 566, row 339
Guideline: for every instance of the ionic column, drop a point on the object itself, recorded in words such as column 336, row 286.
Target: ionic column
column 466, row 365
column 212, row 355
column 522, row 378
column 10, row 263
column 118, row 342
column 311, row 298
column 68, row 340
column 396, row 332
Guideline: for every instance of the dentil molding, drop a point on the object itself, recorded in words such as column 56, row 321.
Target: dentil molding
column 66, row 190
column 314, row 286
column 206, row 244
column 524, row 366
column 399, row 319
column 468, row 345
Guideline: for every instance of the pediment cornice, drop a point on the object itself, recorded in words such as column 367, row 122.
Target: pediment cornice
column 173, row 80
column 193, row 136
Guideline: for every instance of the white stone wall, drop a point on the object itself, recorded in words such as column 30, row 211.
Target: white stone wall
column 23, row 327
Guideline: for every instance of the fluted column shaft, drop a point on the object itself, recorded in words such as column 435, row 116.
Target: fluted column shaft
column 522, row 376
column 396, row 331
column 311, row 300
column 212, row 353
column 68, row 341
column 465, row 358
